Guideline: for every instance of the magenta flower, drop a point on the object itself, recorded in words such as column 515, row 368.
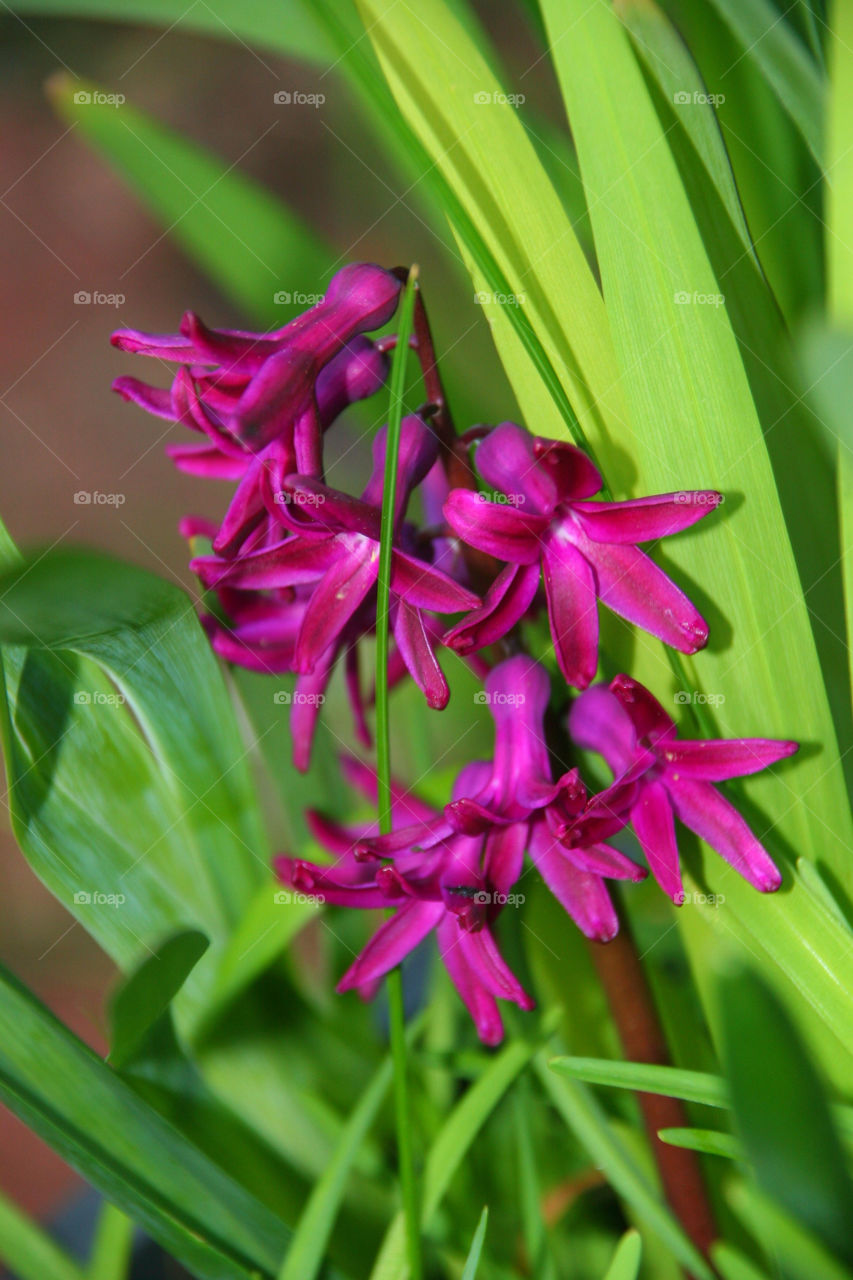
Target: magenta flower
column 658, row 778
column 512, row 805
column 318, row 582
column 542, row 519
column 248, row 389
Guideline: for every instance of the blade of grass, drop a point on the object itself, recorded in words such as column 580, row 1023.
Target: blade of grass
column 397, row 386
column 111, row 1251
column 627, row 1259
column 28, row 1252
column 472, row 1262
column 711, row 1142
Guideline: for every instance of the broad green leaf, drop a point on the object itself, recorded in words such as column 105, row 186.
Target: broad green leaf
column 781, row 1114
column 113, row 1245
column 28, row 1252
column 626, row 1260
column 583, row 1116
column 129, row 791
column 457, row 111
column 472, row 1262
column 693, row 423
column 449, row 1149
column 96, row 1122
column 147, row 993
column 257, row 251
column 304, row 1256
column 287, row 28
column 794, row 1252
column 773, row 46
column 711, row 1142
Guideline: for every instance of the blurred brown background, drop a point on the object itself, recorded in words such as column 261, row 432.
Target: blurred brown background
column 68, row 224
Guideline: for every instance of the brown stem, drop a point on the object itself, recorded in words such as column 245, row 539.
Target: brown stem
column 640, row 1031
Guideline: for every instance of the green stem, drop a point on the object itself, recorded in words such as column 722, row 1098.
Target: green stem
column 397, row 1015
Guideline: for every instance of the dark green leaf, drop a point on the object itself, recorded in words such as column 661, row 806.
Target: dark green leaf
column 148, row 992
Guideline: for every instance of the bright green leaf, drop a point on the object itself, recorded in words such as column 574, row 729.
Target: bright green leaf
column 627, row 1259
column 28, row 1251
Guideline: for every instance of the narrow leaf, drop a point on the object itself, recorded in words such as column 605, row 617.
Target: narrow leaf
column 627, row 1259
column 147, row 993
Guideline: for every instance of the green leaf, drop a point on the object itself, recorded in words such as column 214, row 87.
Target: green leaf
column 113, row 1246
column 794, row 1252
column 449, row 1149
column 28, row 1252
column 147, row 993
column 627, row 1259
column 693, row 423
column 472, row 1262
column 101, row 1127
column 669, row 1082
column 774, row 47
column 287, row 28
column 305, row 1254
column 711, row 1142
column 129, row 791
column 583, row 1116
column 781, row 1113
column 243, row 238
column 733, row 1265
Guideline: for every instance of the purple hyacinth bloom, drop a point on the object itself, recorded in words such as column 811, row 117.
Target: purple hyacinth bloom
column 512, row 805
column 543, row 520
column 658, row 778
column 321, row 576
column 249, row 389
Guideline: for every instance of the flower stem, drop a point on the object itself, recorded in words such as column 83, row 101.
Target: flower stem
column 397, row 1015
column 631, row 1002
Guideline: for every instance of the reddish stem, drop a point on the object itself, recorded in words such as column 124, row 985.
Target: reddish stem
column 640, row 1031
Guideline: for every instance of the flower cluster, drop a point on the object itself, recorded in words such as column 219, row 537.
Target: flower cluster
column 294, row 568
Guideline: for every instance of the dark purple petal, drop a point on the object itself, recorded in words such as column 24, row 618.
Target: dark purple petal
column 330, row 886
column 582, row 895
column 355, row 373
column 245, row 512
column 517, row 692
column 408, row 927
column 701, row 808
column 206, row 460
column 644, row 519
column 505, row 603
column 504, row 532
column 572, row 472
column 652, row 820
column 307, row 701
column 599, row 722
column 283, row 565
column 417, row 455
column 336, row 597
column 416, row 651
column 506, row 461
column 310, row 503
column 504, row 856
column 722, row 758
column 424, row 587
column 633, row 586
column 647, row 715
column 572, row 610
column 163, row 346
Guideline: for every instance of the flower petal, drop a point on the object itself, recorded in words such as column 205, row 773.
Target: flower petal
column 582, row 895
column 287, row 563
column 506, row 461
column 501, row 531
column 417, row 653
column 336, row 597
column 330, row 887
column 504, row 604
column 423, row 586
column 717, row 759
column 574, row 475
column 206, row 460
column 651, row 818
column 599, row 722
column 504, row 856
column 647, row 715
column 408, row 927
column 701, row 808
column 308, row 698
column 644, row 519
column 572, row 610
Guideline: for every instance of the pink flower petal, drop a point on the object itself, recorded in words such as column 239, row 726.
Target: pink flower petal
column 701, row 808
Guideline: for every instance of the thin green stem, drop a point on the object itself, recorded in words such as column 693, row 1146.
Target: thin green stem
column 397, row 1016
